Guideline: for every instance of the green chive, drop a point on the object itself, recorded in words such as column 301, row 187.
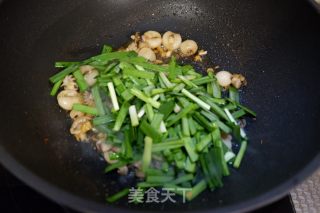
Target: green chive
column 85, row 109
column 55, row 88
column 196, row 190
column 146, row 159
column 97, row 100
column 102, row 120
column 237, row 161
column 118, row 195
column 80, row 80
column 121, row 116
column 60, row 75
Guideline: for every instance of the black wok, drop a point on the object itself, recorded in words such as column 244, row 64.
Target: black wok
column 275, row 44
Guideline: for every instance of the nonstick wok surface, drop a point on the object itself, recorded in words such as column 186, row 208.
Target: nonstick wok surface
column 275, row 44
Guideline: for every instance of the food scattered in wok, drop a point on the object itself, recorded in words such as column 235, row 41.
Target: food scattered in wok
column 148, row 111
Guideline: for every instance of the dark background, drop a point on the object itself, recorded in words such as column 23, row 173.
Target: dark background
column 16, row 197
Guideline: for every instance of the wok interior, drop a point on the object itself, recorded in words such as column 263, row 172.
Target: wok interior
column 275, row 44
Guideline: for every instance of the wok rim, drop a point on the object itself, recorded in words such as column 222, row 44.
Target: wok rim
column 73, row 201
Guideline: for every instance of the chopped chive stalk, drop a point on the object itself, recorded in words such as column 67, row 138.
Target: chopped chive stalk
column 168, row 145
column 223, row 127
column 177, row 108
column 183, row 101
column 247, row 110
column 118, row 84
column 136, row 81
column 191, row 150
column 106, row 49
column 147, row 153
column 80, row 80
column 156, row 172
column 219, row 101
column 202, row 80
column 166, row 108
column 141, row 112
column 209, row 89
column 140, row 68
column 172, row 68
column 196, row 190
column 192, row 126
column 156, row 97
column 148, row 185
column 159, row 179
column 238, row 114
column 97, row 100
column 149, row 111
column 148, row 130
column 209, row 115
column 110, row 67
column 236, row 132
column 167, row 113
column 214, row 168
column 163, row 128
column 237, row 161
column 162, row 85
column 183, row 178
column 158, row 91
column 114, row 156
column 179, row 87
column 85, row 109
column 100, row 68
column 106, row 57
column 219, row 153
column 229, row 156
column 234, row 94
column 60, row 75
column 55, row 88
column 231, row 106
column 121, row 116
column 156, row 121
column 181, row 114
column 162, row 97
column 186, row 77
column 133, row 115
column 215, row 108
column 187, row 82
column 203, row 121
column 165, row 80
column 216, row 89
column 114, row 166
column 102, row 120
column 118, row 195
column 64, row 64
column 231, row 118
column 113, row 96
column 204, row 142
column 196, row 99
column 144, row 98
column 185, row 127
column 143, row 63
column 126, row 95
column 190, row 166
column 165, row 167
column 138, row 73
column 205, row 170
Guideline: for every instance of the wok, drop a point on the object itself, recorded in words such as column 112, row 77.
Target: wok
column 275, row 44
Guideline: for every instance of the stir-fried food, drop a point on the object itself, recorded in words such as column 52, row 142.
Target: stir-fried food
column 151, row 115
